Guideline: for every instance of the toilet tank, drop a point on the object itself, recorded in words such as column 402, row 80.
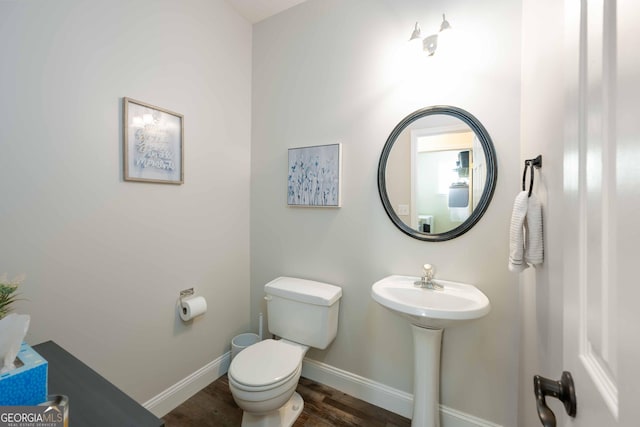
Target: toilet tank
column 303, row 311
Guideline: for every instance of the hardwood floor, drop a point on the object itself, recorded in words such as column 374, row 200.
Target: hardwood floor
column 323, row 406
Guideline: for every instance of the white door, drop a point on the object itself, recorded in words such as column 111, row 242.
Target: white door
column 602, row 215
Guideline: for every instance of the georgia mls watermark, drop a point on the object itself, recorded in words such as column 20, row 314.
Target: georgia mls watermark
column 32, row 416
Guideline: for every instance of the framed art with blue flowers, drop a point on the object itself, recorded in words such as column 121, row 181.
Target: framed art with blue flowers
column 314, row 176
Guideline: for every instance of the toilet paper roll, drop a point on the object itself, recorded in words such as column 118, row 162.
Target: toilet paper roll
column 192, row 307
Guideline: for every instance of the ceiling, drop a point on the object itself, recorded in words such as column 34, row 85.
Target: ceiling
column 257, row 10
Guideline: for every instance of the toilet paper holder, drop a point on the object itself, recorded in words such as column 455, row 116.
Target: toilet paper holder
column 186, row 293
column 190, row 306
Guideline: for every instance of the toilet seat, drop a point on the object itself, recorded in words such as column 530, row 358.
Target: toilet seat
column 266, row 365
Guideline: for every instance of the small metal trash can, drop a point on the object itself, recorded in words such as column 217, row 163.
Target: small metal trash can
column 242, row 341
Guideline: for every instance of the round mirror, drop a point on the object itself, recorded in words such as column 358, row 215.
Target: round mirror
column 437, row 173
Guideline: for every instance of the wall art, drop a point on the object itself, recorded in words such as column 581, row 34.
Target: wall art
column 314, row 176
column 153, row 143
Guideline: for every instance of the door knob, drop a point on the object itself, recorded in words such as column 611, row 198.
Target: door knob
column 563, row 390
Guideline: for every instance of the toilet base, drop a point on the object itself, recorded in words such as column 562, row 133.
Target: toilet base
column 285, row 416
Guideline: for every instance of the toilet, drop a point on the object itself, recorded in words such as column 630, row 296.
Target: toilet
column 263, row 377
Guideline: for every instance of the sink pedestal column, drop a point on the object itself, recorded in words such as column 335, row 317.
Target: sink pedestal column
column 426, row 377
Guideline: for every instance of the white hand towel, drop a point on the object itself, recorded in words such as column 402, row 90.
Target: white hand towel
column 533, row 252
column 516, row 237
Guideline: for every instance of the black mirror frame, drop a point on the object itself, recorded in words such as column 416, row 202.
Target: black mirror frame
column 487, row 192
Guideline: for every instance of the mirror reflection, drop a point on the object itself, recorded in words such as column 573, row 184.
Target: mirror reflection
column 437, row 173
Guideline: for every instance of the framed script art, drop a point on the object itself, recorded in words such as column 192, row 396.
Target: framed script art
column 314, row 176
column 153, row 144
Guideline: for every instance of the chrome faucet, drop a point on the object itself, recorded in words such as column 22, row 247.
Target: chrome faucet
column 427, row 279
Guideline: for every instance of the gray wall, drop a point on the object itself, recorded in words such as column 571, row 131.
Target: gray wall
column 333, row 71
column 542, row 132
column 106, row 259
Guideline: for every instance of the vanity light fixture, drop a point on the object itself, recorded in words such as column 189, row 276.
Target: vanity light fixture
column 416, row 33
column 430, row 43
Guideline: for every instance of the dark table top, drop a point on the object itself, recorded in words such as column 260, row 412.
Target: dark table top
column 93, row 401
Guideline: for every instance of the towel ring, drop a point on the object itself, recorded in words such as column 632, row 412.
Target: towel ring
column 530, row 163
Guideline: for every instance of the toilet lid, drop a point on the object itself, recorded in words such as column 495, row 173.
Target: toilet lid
column 265, row 363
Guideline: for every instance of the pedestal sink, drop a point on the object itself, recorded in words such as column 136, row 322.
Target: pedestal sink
column 429, row 311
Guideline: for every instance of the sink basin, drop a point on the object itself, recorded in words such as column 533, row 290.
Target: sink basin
column 430, row 308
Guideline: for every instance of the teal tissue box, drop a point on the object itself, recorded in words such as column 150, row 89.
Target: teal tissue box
column 27, row 384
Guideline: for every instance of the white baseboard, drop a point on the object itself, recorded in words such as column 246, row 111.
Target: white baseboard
column 370, row 391
column 385, row 397
column 454, row 418
column 378, row 394
column 175, row 395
